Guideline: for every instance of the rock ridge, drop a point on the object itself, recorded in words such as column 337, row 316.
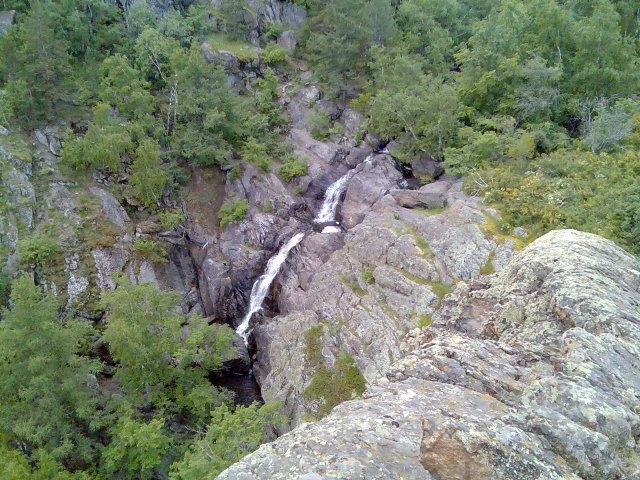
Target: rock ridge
column 530, row 373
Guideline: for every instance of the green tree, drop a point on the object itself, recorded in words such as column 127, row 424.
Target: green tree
column 37, row 65
column 340, row 37
column 229, row 437
column 210, row 119
column 45, row 403
column 160, row 362
column 419, row 109
column 136, row 449
column 104, row 144
column 148, row 175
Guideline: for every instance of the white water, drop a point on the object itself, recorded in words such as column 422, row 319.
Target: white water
column 261, row 286
column 327, row 212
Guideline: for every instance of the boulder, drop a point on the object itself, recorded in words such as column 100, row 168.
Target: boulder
column 370, row 182
column 532, row 374
column 433, row 195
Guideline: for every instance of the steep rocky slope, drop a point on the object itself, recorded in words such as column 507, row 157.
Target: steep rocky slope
column 368, row 288
column 532, row 373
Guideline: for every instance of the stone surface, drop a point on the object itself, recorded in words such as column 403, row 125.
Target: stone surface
column 288, row 40
column 533, row 373
column 6, row 19
column 371, row 286
column 370, row 182
column 113, row 211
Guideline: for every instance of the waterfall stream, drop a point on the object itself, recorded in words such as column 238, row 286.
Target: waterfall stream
column 332, row 196
column 261, row 286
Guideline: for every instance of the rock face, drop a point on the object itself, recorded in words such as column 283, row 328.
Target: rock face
column 531, row 373
column 372, row 286
column 6, row 19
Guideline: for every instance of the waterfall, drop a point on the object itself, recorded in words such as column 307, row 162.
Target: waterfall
column 327, row 212
column 261, row 286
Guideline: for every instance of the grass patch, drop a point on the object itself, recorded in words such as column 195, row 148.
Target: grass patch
column 367, row 276
column 244, row 51
column 487, row 268
column 331, row 386
column 430, row 211
column 424, row 320
column 313, row 347
column 495, row 228
column 440, row 289
column 150, row 249
column 357, row 289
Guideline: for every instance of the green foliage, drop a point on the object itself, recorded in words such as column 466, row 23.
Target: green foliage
column 569, row 189
column 422, row 110
column 339, row 38
column 171, row 218
column 45, row 403
column 424, row 320
column 256, row 153
column 367, row 275
column 292, row 167
column 159, row 364
column 209, row 120
column 152, row 250
column 104, row 144
column 320, row 125
column 233, row 211
column 234, row 15
column 331, row 386
column 313, row 347
column 229, row 437
column 148, row 175
column 37, row 249
column 136, row 449
column 274, row 54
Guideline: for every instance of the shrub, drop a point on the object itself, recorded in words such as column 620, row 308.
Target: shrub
column 274, row 54
column 367, row 275
column 171, row 218
column 293, row 167
column 152, row 250
column 256, row 153
column 320, row 125
column 37, row 249
column 233, row 211
column 332, row 386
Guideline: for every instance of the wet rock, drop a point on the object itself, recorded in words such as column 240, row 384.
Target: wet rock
column 358, row 155
column 371, row 286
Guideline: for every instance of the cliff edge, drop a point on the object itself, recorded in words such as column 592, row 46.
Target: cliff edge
column 530, row 373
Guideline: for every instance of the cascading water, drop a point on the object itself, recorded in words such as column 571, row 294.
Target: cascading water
column 261, row 286
column 327, row 212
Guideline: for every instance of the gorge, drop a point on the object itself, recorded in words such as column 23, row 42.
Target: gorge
column 303, row 239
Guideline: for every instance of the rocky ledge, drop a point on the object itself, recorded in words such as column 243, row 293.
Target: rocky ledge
column 530, row 373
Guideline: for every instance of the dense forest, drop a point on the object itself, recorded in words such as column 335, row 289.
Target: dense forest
column 533, row 103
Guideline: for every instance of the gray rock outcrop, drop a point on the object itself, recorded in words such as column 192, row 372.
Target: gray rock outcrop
column 372, row 286
column 6, row 20
column 532, row 373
